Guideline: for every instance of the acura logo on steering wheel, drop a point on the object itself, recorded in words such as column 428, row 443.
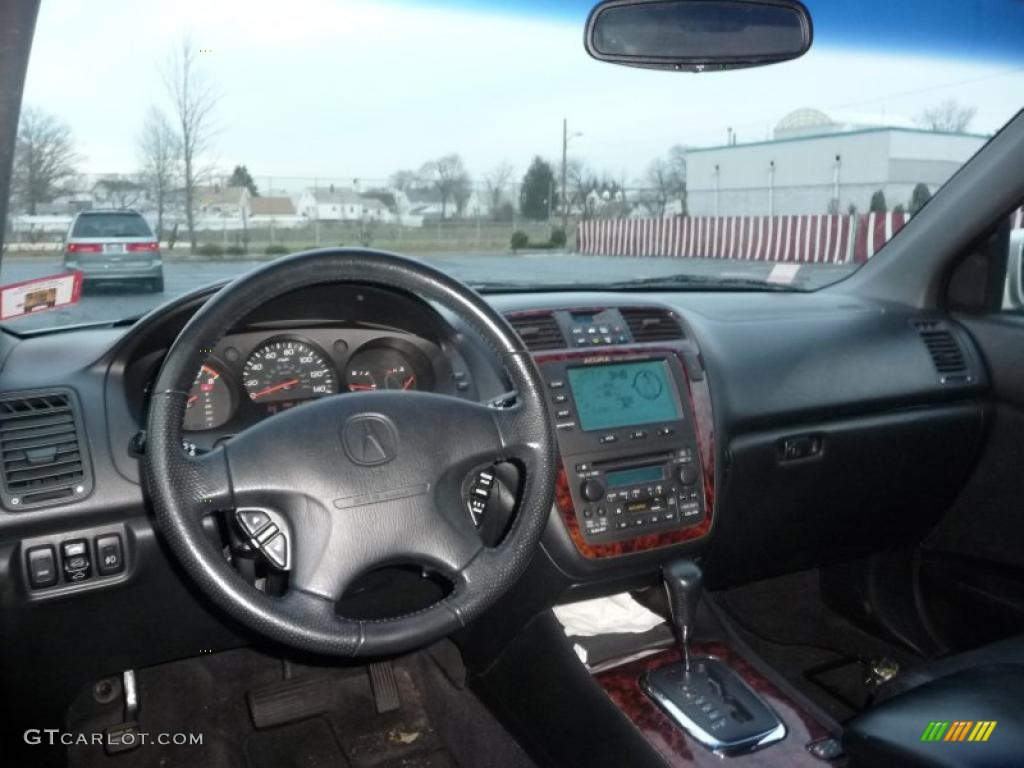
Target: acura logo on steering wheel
column 369, row 439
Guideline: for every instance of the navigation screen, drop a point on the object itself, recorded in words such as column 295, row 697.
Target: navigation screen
column 623, row 394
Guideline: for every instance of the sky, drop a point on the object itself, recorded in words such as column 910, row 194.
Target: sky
column 340, row 89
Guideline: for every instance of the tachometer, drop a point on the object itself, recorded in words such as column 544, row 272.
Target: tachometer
column 288, row 370
column 210, row 402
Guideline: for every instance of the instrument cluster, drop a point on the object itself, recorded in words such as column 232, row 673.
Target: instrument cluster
column 250, row 376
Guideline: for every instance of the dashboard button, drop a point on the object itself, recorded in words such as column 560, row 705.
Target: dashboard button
column 559, row 399
column 253, row 520
column 564, row 414
column 687, row 474
column 109, row 554
column 592, row 490
column 75, row 557
column 556, row 383
column 42, row 567
column 609, row 439
column 276, row 551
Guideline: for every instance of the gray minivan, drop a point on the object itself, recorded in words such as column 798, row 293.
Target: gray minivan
column 114, row 247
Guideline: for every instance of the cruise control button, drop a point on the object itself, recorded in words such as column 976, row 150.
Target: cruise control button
column 266, row 534
column 276, row 551
column 253, row 520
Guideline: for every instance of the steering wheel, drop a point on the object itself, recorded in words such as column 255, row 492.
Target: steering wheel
column 359, row 481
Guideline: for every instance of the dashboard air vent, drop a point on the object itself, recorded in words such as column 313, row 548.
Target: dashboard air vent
column 538, row 332
column 651, row 324
column 41, row 442
column 943, row 348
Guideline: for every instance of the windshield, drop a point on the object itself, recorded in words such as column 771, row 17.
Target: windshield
column 482, row 138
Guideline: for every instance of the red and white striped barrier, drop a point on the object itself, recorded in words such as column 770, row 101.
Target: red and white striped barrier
column 821, row 239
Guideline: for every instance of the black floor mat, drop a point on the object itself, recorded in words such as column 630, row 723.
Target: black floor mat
column 206, row 695
column 787, row 624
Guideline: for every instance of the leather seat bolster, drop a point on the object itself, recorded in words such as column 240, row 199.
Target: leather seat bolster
column 891, row 733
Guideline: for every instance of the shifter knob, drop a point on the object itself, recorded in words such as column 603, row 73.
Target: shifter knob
column 684, row 582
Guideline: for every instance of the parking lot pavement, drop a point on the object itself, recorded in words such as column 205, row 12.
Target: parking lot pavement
column 115, row 302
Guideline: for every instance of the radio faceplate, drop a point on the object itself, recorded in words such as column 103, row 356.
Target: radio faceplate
column 628, row 443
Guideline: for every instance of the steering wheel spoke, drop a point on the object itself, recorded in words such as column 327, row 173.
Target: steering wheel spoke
column 209, row 481
column 333, row 548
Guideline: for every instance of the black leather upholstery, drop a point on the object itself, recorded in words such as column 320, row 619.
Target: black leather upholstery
column 1004, row 652
column 986, row 684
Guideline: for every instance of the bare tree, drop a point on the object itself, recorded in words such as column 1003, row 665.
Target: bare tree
column 658, row 189
column 405, row 180
column 449, row 177
column 160, row 159
column 193, row 99
column 495, row 183
column 677, row 176
column 948, row 116
column 44, row 158
column 122, row 193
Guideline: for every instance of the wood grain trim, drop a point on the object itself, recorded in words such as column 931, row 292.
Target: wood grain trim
column 699, row 399
column 622, row 685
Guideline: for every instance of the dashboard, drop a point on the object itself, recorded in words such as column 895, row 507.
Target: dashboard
column 763, row 434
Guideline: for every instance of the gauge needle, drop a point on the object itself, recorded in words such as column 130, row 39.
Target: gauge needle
column 273, row 389
column 192, row 399
column 362, row 387
column 409, row 383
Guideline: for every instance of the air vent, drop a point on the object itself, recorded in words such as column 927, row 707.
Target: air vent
column 651, row 324
column 538, row 332
column 43, row 456
column 944, row 349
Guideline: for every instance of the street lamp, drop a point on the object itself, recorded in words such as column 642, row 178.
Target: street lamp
column 566, row 138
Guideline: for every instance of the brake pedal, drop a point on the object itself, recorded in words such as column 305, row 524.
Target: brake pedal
column 290, row 700
column 384, row 687
column 124, row 737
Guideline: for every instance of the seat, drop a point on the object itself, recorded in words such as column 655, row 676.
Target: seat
column 959, row 693
column 1009, row 651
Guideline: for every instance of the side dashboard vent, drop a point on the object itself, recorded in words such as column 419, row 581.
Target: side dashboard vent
column 538, row 332
column 945, row 351
column 651, row 324
column 43, row 449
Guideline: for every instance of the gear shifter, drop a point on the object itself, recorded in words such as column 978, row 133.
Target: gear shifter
column 703, row 695
column 684, row 582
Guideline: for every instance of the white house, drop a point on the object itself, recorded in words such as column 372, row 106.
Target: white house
column 341, row 204
column 225, row 202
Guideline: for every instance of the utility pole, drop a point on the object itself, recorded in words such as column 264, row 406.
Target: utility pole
column 565, row 171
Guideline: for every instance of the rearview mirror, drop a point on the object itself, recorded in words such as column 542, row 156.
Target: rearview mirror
column 698, row 35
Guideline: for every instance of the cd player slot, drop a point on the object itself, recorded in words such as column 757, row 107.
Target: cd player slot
column 633, row 461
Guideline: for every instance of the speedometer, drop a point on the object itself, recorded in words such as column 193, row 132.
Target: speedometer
column 288, row 370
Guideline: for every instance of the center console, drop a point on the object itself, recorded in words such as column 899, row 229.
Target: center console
column 633, row 418
column 628, row 444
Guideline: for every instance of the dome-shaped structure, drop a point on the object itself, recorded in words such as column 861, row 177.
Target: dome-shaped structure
column 803, row 121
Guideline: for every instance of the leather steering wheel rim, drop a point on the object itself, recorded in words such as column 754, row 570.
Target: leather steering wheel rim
column 433, row 435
